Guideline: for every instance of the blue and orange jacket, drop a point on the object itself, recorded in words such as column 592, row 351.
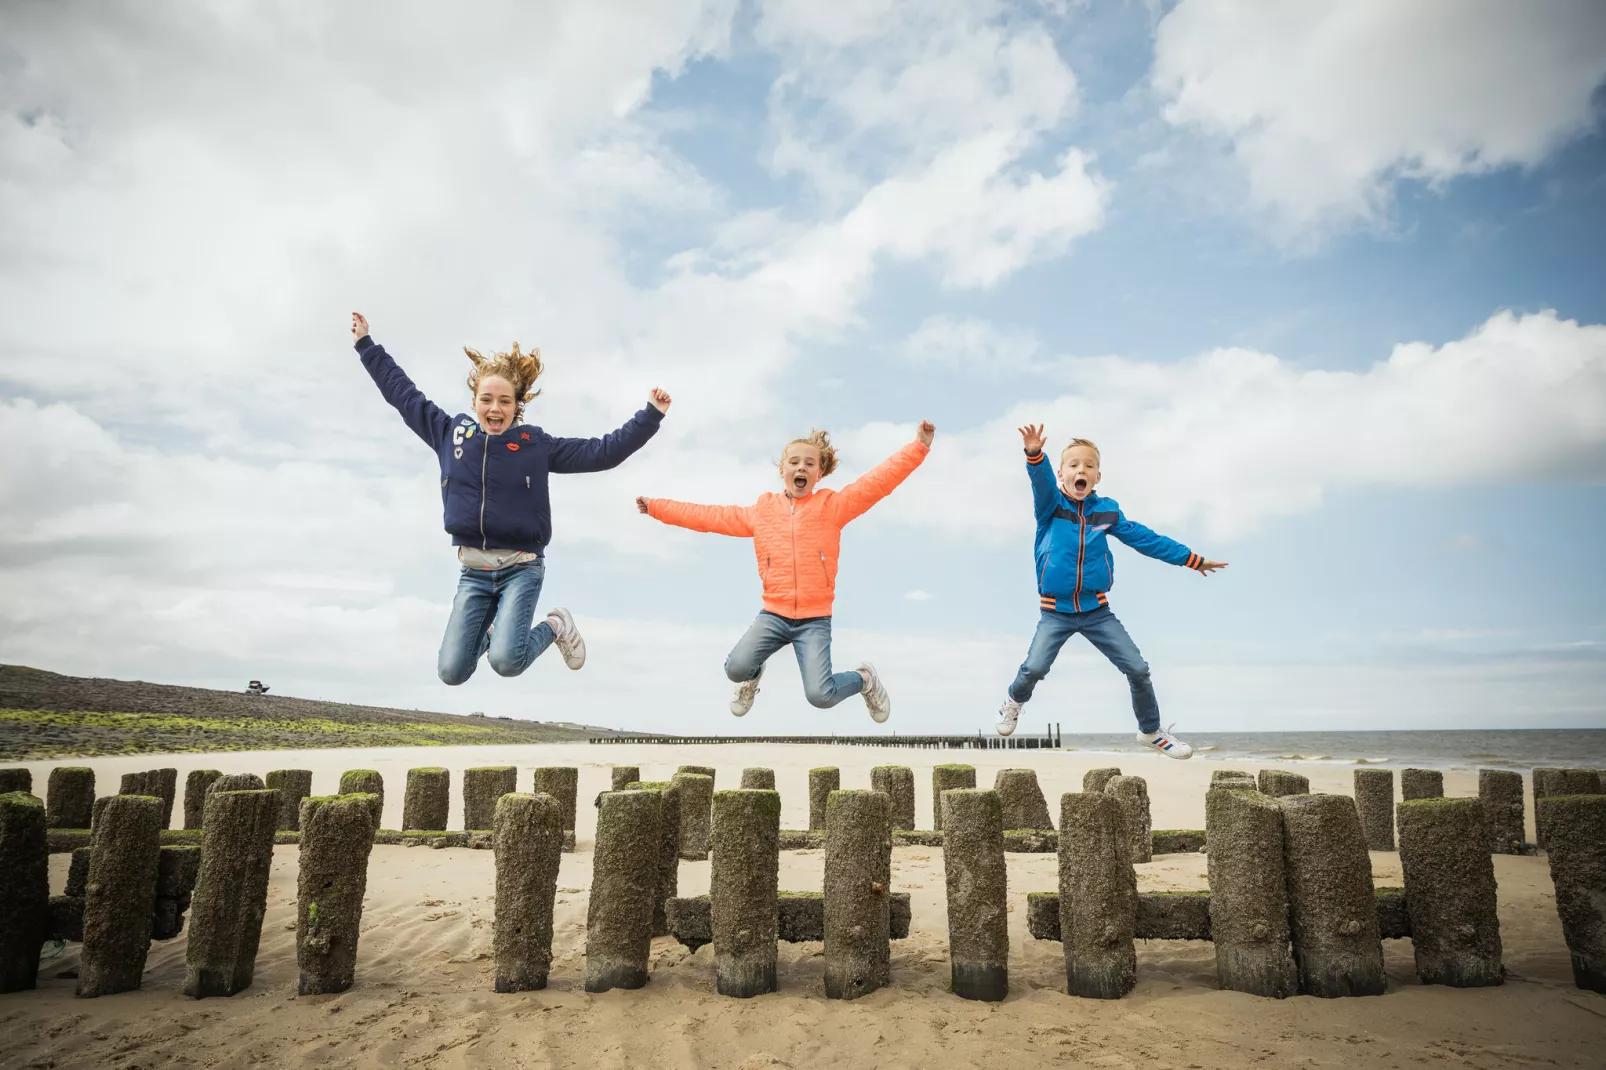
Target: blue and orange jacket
column 494, row 487
column 1074, row 568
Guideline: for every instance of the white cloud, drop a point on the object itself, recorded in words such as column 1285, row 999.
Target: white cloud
column 969, row 343
column 1327, row 106
column 918, row 596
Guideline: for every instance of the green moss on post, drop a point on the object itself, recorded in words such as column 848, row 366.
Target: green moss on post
column 978, row 893
column 70, row 797
column 624, row 775
column 1248, row 894
column 1098, row 897
column 195, row 786
column 757, row 779
column 700, row 770
column 119, row 894
column 24, row 889
column 1277, row 783
column 236, row 782
column 1421, row 784
column 562, row 782
column 337, row 836
column 1548, row 782
column 944, row 778
column 668, row 850
column 624, row 880
column 528, row 835
column 1132, row 792
column 1500, row 793
column 16, row 778
column 1374, row 800
column 428, row 799
column 1332, row 909
column 366, row 782
column 822, row 782
column 696, row 802
column 293, row 785
column 231, row 892
column 1577, row 855
column 858, row 870
column 747, row 826
column 897, row 782
column 1450, row 892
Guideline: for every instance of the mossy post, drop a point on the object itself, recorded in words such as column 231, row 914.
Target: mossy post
column 668, row 850
column 1450, row 892
column 562, row 782
column 231, row 892
column 945, row 778
column 134, row 784
column 1277, row 783
column 428, row 799
column 1248, row 893
column 822, row 782
column 624, row 879
column 482, row 786
column 696, row 802
column 177, row 867
column 745, row 890
column 858, row 870
column 119, row 894
column 1500, row 793
column 978, row 893
column 337, row 835
column 1022, row 802
column 1098, row 897
column 897, row 782
column 70, row 797
column 758, row 779
column 366, row 782
column 1421, row 784
column 1132, row 792
column 1094, row 779
column 528, row 837
column 195, row 786
column 16, row 778
column 293, row 785
column 622, row 776
column 700, row 770
column 1332, row 908
column 1548, row 782
column 236, row 782
column 1577, row 850
column 1374, row 800
column 24, row 888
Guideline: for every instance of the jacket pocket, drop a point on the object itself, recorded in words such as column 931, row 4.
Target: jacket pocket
column 825, row 570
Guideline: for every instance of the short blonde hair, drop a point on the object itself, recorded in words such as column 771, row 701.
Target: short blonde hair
column 820, row 440
column 521, row 370
column 1075, row 442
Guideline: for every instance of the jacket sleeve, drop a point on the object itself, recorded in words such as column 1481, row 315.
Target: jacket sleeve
column 425, row 417
column 1045, row 495
column 855, row 499
column 1153, row 544
column 601, row 454
column 718, row 519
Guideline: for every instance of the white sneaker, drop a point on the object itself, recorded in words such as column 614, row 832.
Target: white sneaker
column 570, row 645
column 1008, row 714
column 875, row 695
column 746, row 692
column 1166, row 743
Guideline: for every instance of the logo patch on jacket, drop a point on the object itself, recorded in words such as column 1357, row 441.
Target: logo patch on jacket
column 514, row 446
column 524, row 437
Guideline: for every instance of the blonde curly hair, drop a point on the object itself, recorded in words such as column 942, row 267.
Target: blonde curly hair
column 820, row 440
column 519, row 369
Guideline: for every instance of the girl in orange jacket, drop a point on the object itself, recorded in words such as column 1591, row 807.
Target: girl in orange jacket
column 797, row 536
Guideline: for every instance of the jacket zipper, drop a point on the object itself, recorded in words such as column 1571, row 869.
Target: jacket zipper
column 1081, row 542
column 485, row 453
column 823, row 570
column 795, row 576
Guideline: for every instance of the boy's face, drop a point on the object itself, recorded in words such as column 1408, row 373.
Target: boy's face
column 494, row 405
column 800, row 469
column 1079, row 471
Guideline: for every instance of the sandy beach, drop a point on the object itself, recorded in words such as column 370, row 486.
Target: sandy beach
column 423, row 993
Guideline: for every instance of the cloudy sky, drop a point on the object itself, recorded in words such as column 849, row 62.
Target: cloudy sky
column 1326, row 287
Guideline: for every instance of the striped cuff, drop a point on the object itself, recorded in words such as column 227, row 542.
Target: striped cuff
column 1194, row 561
column 1035, row 458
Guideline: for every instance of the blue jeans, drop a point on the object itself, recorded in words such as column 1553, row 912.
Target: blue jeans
column 811, row 640
column 1109, row 637
column 505, row 597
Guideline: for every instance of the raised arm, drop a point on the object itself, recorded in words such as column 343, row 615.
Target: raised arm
column 719, row 519
column 601, row 454
column 1045, row 495
column 426, row 418
column 855, row 499
column 1151, row 543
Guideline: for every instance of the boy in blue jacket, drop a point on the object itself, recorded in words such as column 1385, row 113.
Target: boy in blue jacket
column 1074, row 575
column 494, row 488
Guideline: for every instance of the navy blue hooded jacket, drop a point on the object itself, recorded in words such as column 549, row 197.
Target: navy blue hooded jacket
column 494, row 487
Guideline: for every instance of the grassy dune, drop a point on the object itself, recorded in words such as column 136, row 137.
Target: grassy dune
column 46, row 715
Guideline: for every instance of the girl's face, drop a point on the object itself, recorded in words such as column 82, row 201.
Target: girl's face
column 800, row 469
column 494, row 404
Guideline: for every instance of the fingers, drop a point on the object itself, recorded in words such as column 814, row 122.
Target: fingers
column 641, row 504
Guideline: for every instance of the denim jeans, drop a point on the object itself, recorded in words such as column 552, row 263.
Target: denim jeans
column 1109, row 637
column 505, row 597
column 810, row 640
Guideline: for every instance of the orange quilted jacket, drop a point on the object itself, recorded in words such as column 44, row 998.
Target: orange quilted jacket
column 797, row 541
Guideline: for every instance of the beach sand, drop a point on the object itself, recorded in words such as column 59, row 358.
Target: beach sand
column 423, row 993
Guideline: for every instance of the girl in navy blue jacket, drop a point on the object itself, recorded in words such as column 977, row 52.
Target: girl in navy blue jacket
column 494, row 489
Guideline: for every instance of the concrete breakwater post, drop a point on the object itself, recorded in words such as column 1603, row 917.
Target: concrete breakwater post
column 1577, row 851
column 293, row 785
column 527, row 834
column 1500, row 793
column 16, row 778
column 1098, row 897
column 944, row 778
column 978, row 894
column 337, row 835
column 24, row 888
column 822, row 782
column 696, row 802
column 1095, row 779
column 365, row 782
column 482, row 786
column 195, row 787
column 1277, row 783
column 758, row 779
column 700, row 770
column 177, row 867
column 562, row 782
column 1021, row 800
column 858, row 869
column 157, row 783
column 70, row 797
column 1132, row 792
column 1332, row 908
column 624, row 879
column 622, row 776
column 231, row 892
column 1421, row 784
column 236, row 782
column 668, row 850
column 1374, row 800
column 119, row 893
column 1548, row 782
column 745, row 890
column 897, row 783
column 1248, row 893
column 428, row 798
column 1450, row 892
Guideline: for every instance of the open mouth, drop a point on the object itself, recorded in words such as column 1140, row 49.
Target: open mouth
column 799, row 482
column 1080, row 484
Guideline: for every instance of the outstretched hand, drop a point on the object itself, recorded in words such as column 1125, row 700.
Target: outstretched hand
column 660, row 401
column 359, row 327
column 641, row 504
column 1208, row 567
column 1032, row 437
column 927, row 430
